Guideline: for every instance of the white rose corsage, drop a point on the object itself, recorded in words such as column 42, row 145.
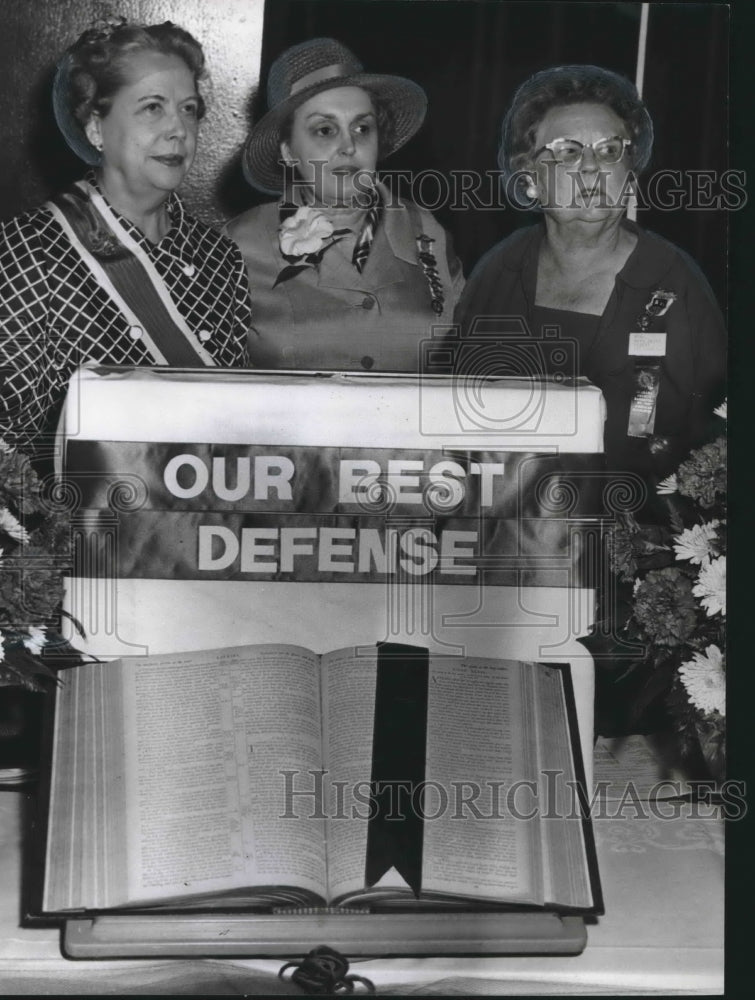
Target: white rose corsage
column 303, row 238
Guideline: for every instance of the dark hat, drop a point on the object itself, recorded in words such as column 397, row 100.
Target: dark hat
column 71, row 128
column 307, row 69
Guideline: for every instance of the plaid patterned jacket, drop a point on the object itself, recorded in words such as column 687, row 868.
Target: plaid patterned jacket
column 54, row 315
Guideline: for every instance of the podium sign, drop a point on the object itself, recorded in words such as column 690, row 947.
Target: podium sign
column 221, row 508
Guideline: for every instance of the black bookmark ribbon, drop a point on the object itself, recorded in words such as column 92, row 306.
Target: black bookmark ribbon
column 396, row 825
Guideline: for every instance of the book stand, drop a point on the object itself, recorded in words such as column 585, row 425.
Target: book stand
column 363, row 935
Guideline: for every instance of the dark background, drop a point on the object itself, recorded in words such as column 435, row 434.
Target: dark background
column 469, row 55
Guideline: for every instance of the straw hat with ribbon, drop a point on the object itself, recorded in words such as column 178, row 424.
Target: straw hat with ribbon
column 308, row 69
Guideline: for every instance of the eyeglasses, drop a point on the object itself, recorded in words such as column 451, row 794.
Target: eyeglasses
column 571, row 151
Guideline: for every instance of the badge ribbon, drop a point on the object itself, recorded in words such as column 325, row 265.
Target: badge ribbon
column 647, row 376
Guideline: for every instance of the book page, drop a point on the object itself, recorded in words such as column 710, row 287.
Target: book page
column 477, row 839
column 87, row 832
column 566, row 875
column 209, row 737
column 348, row 679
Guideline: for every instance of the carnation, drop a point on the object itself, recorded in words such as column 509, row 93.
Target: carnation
column 31, row 575
column 705, row 681
column 18, row 481
column 622, row 549
column 665, row 606
column 703, row 476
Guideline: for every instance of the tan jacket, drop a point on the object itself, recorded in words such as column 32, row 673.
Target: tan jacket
column 334, row 317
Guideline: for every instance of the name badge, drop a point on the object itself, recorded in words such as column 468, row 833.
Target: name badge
column 648, row 345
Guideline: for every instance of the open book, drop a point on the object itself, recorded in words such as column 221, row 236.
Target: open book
column 269, row 776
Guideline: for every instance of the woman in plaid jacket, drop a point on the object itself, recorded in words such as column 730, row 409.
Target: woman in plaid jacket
column 115, row 271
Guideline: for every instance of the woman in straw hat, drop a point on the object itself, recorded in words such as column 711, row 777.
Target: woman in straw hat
column 115, row 270
column 343, row 276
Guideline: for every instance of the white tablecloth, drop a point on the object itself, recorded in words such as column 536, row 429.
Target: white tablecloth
column 662, row 932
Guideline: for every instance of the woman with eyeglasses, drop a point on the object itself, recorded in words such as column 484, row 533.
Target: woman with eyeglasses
column 600, row 296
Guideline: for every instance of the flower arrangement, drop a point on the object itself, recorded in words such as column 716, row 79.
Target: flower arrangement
column 678, row 605
column 34, row 551
column 303, row 239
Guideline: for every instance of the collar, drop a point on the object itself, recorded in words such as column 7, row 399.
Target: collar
column 650, row 260
column 647, row 264
column 175, row 240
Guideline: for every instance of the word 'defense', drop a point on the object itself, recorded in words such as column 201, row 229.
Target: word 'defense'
column 358, row 489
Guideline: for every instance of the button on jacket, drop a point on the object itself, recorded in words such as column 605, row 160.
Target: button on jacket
column 333, row 316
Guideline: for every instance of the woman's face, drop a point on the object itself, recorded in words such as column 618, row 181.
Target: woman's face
column 334, row 138
column 589, row 190
column 149, row 134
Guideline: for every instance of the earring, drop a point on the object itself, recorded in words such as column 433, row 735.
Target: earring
column 531, row 189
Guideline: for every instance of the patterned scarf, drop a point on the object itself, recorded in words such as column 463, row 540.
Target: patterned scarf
column 367, row 233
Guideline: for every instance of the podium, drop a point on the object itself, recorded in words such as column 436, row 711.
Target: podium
column 321, row 509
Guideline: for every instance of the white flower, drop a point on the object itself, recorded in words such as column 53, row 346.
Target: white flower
column 305, row 232
column 711, row 586
column 720, row 411
column 668, row 485
column 35, row 640
column 11, row 526
column 705, row 681
column 694, row 543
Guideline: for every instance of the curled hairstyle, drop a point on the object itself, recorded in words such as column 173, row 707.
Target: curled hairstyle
column 98, row 62
column 563, row 85
column 384, row 116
